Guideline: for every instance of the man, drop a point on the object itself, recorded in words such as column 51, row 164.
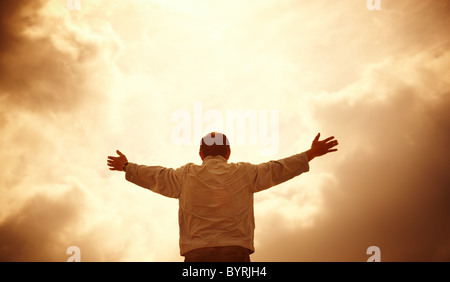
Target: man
column 216, row 198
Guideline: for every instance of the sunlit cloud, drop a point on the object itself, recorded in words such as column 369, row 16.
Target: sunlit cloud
column 75, row 85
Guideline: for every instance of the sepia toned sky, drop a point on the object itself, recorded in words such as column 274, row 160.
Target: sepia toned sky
column 76, row 85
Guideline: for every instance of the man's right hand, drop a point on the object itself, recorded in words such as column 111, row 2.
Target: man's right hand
column 116, row 163
column 320, row 148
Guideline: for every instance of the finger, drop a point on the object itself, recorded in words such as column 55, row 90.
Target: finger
column 119, row 153
column 112, row 158
column 332, row 150
column 328, row 139
column 317, row 138
column 332, row 144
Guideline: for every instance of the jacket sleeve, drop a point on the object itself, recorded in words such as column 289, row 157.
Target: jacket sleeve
column 265, row 175
column 161, row 180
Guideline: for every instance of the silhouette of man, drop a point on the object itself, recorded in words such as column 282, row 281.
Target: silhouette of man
column 215, row 198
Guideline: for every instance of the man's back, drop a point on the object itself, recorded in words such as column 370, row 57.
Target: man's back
column 216, row 198
column 216, row 206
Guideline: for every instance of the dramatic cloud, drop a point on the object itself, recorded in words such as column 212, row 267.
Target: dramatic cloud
column 391, row 181
column 46, row 92
column 75, row 85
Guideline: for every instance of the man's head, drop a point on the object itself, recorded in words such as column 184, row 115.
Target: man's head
column 214, row 144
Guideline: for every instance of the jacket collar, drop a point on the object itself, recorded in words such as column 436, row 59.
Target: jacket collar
column 217, row 157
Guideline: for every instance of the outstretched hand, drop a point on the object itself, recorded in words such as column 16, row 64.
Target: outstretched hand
column 320, row 148
column 116, row 163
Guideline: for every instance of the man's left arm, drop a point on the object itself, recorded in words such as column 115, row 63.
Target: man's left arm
column 268, row 174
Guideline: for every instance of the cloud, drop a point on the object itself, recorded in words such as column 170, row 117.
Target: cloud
column 47, row 224
column 35, row 231
column 50, row 55
column 44, row 90
column 77, row 85
column 390, row 186
column 48, row 124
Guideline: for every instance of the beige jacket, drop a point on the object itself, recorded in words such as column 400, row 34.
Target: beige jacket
column 216, row 197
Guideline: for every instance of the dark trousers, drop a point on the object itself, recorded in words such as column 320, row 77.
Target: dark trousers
column 218, row 254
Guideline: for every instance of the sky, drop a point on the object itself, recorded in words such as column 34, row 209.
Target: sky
column 149, row 78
